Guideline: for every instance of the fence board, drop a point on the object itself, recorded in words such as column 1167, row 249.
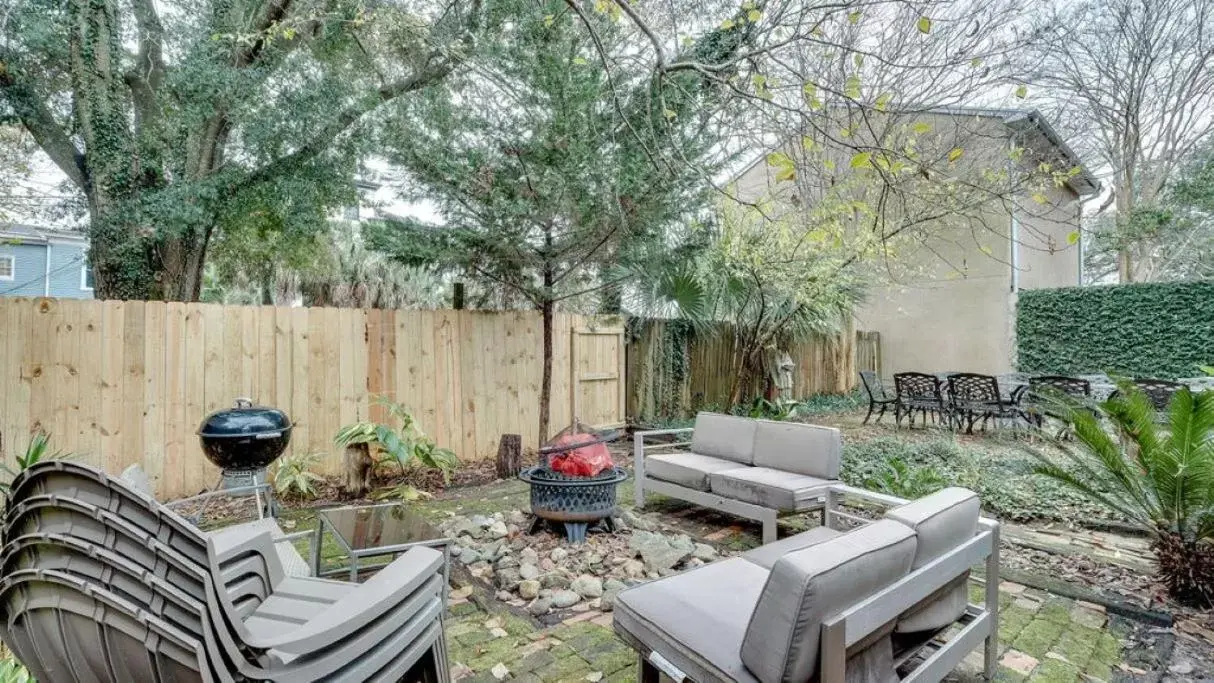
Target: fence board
column 129, row 382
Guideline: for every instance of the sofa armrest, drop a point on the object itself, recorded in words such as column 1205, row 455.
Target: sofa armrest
column 661, row 432
column 371, row 600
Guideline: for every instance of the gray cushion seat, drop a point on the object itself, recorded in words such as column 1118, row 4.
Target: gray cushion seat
column 686, row 469
column 770, row 488
column 696, row 619
column 737, row 621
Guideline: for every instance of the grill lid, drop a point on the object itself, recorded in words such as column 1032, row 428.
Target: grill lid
column 245, row 419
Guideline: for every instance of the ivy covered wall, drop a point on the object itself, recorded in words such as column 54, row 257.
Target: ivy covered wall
column 1142, row 330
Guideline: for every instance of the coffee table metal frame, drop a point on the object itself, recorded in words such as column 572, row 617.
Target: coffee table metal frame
column 356, row 554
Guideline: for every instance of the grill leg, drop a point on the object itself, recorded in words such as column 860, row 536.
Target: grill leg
column 575, row 532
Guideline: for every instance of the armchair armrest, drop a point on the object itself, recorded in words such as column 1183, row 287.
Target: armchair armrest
column 371, row 600
column 661, row 432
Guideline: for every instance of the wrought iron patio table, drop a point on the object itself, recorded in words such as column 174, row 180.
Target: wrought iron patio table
column 364, row 531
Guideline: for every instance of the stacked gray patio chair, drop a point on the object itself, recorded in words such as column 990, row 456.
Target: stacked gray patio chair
column 149, row 597
column 866, row 604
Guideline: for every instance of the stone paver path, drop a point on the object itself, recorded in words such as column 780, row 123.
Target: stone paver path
column 1042, row 638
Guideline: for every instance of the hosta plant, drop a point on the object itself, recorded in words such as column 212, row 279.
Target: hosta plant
column 367, row 443
column 1156, row 471
column 294, row 478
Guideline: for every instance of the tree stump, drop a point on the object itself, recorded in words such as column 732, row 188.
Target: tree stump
column 358, row 471
column 509, row 456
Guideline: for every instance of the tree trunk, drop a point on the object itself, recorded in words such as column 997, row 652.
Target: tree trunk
column 546, row 380
column 358, row 468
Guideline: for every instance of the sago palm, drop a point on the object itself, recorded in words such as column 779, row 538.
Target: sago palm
column 1155, row 470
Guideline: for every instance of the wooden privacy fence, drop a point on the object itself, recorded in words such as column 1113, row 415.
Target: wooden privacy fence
column 129, row 382
column 868, row 351
column 673, row 371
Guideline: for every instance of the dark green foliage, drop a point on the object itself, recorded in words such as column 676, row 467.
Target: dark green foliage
column 906, row 481
column 1002, row 475
column 1138, row 330
column 763, row 409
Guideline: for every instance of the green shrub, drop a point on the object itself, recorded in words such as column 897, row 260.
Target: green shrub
column 1137, row 330
column 293, row 477
column 904, row 480
column 37, row 450
column 12, row 671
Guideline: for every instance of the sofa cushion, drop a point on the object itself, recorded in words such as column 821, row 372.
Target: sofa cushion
column 696, row 619
column 767, row 487
column 801, row 448
column 941, row 521
column 807, row 586
column 686, row 469
column 724, row 436
column 767, row 555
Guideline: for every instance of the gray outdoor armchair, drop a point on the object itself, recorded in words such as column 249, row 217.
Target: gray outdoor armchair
column 226, row 600
column 865, row 605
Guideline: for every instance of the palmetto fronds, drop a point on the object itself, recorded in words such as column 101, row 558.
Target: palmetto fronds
column 1155, row 470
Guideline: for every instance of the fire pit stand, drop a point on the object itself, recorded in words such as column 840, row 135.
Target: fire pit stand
column 578, row 503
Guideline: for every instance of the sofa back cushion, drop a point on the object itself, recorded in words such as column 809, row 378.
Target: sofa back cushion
column 724, row 436
column 801, row 448
column 941, row 521
column 807, row 586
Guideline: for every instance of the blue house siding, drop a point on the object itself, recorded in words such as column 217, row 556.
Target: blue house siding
column 30, row 269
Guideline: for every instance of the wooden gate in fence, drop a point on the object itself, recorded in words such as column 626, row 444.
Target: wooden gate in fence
column 123, row 382
column 868, row 351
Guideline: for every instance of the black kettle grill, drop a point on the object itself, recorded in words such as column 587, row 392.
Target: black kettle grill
column 244, row 437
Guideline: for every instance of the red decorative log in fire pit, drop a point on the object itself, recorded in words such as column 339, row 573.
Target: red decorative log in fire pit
column 576, row 481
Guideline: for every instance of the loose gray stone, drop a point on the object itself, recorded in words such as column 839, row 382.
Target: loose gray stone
column 636, row 521
column 587, row 586
column 498, row 529
column 540, row 607
column 507, row 562
column 481, row 521
column 694, row 562
column 558, row 555
column 547, row 564
column 613, row 585
column 529, row 556
column 517, row 517
column 705, row 552
column 508, row 579
column 504, row 596
column 634, row 569
column 554, row 580
column 469, row 556
column 683, row 542
column 528, row 571
column 657, row 552
column 565, row 598
column 607, row 602
column 528, row 590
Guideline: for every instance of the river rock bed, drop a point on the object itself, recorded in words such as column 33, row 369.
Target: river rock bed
column 543, row 572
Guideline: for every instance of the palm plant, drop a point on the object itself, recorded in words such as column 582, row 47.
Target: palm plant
column 406, row 446
column 38, row 450
column 1157, row 471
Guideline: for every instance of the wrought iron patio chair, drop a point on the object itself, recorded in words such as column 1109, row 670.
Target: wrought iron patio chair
column 974, row 397
column 919, row 392
column 1159, row 391
column 878, row 400
column 1044, row 392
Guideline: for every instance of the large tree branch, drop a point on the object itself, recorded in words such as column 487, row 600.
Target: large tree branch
column 37, row 119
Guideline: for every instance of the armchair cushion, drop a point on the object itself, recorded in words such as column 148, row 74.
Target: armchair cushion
column 768, row 554
column 801, row 448
column 696, row 619
column 724, row 436
column 770, row 488
column 807, row 586
column 686, row 469
column 941, row 521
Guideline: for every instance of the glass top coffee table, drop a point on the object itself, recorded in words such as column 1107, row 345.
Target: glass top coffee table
column 364, row 531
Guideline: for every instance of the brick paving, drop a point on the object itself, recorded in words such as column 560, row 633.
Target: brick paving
column 1055, row 640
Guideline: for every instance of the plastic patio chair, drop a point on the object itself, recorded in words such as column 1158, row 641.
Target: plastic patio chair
column 261, row 623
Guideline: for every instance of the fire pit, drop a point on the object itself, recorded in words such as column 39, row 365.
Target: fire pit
column 577, row 502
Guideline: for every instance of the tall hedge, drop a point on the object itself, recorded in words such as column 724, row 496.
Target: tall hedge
column 1141, row 330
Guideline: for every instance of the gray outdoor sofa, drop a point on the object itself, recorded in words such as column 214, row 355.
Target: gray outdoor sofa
column 757, row 469
column 865, row 605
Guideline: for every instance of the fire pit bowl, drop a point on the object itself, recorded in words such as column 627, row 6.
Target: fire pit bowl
column 245, row 437
column 576, row 502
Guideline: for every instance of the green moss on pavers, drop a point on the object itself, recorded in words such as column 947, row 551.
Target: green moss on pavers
column 480, row 677
column 526, row 677
column 1012, row 621
column 569, row 668
column 615, row 660
column 1055, row 671
column 463, row 609
column 485, row 655
column 474, row 637
column 1098, row 670
column 1037, row 638
column 1057, row 610
column 1006, row 675
column 561, row 651
column 533, row 661
column 628, row 675
column 1108, row 649
column 1077, row 644
column 458, row 628
column 581, row 628
column 516, row 625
